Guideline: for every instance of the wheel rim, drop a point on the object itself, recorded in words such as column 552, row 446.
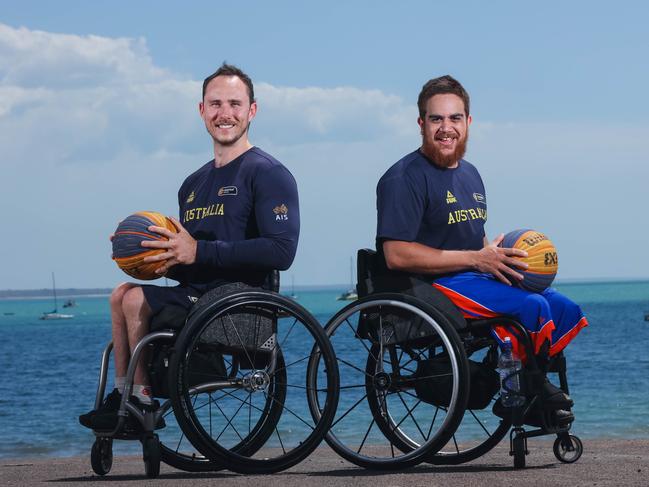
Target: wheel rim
column 257, row 418
column 380, row 421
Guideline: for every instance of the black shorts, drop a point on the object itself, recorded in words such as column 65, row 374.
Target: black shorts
column 158, row 297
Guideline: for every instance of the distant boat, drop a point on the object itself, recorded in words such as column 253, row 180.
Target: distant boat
column 54, row 314
column 292, row 295
column 351, row 294
column 70, row 303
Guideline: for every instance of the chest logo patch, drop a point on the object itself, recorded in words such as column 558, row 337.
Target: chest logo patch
column 450, row 198
column 479, row 198
column 228, row 191
column 191, row 197
column 281, row 212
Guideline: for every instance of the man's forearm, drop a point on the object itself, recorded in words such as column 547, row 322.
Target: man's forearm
column 421, row 259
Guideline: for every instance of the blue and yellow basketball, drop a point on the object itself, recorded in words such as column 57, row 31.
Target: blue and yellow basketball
column 130, row 233
column 541, row 259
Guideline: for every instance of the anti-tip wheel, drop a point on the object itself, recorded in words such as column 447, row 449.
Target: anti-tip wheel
column 568, row 449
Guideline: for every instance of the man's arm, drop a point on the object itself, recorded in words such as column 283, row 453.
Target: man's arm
column 421, row 259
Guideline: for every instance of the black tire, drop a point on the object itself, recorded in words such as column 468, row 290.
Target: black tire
column 568, row 450
column 378, row 383
column 151, row 456
column 518, row 445
column 480, row 430
column 271, row 394
column 101, row 456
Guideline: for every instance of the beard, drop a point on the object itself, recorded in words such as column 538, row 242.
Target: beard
column 442, row 159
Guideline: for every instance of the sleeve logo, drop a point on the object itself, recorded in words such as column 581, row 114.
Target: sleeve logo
column 191, row 197
column 479, row 198
column 281, row 212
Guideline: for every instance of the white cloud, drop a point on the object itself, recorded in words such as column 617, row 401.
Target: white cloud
column 91, row 130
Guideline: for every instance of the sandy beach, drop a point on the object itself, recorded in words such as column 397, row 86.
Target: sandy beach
column 604, row 463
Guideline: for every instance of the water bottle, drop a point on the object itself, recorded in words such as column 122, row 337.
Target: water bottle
column 510, row 380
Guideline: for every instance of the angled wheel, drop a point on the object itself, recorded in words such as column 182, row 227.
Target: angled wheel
column 151, row 456
column 519, row 451
column 568, row 448
column 383, row 345
column 254, row 415
column 480, row 430
column 101, row 456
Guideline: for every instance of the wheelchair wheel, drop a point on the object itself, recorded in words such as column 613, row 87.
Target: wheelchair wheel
column 519, row 450
column 568, row 448
column 177, row 451
column 480, row 429
column 253, row 417
column 151, row 455
column 381, row 421
column 101, row 456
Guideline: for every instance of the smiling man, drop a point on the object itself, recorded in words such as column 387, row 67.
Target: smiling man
column 432, row 209
column 239, row 219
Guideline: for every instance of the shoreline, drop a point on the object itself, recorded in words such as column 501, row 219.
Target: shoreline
column 604, row 462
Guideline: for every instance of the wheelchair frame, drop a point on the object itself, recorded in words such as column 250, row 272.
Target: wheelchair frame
column 271, row 381
column 567, row 448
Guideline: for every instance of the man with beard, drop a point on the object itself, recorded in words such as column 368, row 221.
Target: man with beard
column 240, row 220
column 431, row 214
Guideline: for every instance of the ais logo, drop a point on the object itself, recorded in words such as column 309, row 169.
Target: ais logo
column 281, row 212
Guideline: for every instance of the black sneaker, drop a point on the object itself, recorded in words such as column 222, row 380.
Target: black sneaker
column 554, row 398
column 105, row 417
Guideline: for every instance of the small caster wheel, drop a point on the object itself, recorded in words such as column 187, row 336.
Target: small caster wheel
column 519, row 451
column 151, row 456
column 101, row 456
column 568, row 448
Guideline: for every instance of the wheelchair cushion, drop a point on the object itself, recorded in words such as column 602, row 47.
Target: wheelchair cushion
column 434, row 384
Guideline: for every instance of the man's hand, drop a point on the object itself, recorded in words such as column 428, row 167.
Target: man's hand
column 179, row 249
column 497, row 260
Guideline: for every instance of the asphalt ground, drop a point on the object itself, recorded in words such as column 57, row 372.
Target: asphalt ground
column 603, row 463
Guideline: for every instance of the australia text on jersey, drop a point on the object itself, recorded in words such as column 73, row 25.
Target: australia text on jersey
column 216, row 209
column 457, row 216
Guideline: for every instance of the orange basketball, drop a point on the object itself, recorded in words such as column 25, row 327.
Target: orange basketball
column 541, row 258
column 130, row 233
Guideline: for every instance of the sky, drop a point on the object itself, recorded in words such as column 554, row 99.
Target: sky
column 99, row 119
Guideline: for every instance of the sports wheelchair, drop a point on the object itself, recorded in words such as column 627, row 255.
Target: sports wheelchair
column 420, row 382
column 232, row 375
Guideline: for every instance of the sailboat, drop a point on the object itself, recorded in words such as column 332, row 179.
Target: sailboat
column 54, row 314
column 351, row 294
column 293, row 295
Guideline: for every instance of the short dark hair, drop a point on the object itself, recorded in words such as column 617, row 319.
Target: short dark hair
column 438, row 86
column 231, row 70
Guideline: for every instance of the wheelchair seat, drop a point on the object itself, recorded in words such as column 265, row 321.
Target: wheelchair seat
column 375, row 277
column 173, row 317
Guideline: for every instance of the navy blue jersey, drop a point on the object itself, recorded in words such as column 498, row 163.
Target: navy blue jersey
column 442, row 208
column 245, row 217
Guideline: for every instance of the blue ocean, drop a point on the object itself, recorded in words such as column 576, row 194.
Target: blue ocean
column 50, row 368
